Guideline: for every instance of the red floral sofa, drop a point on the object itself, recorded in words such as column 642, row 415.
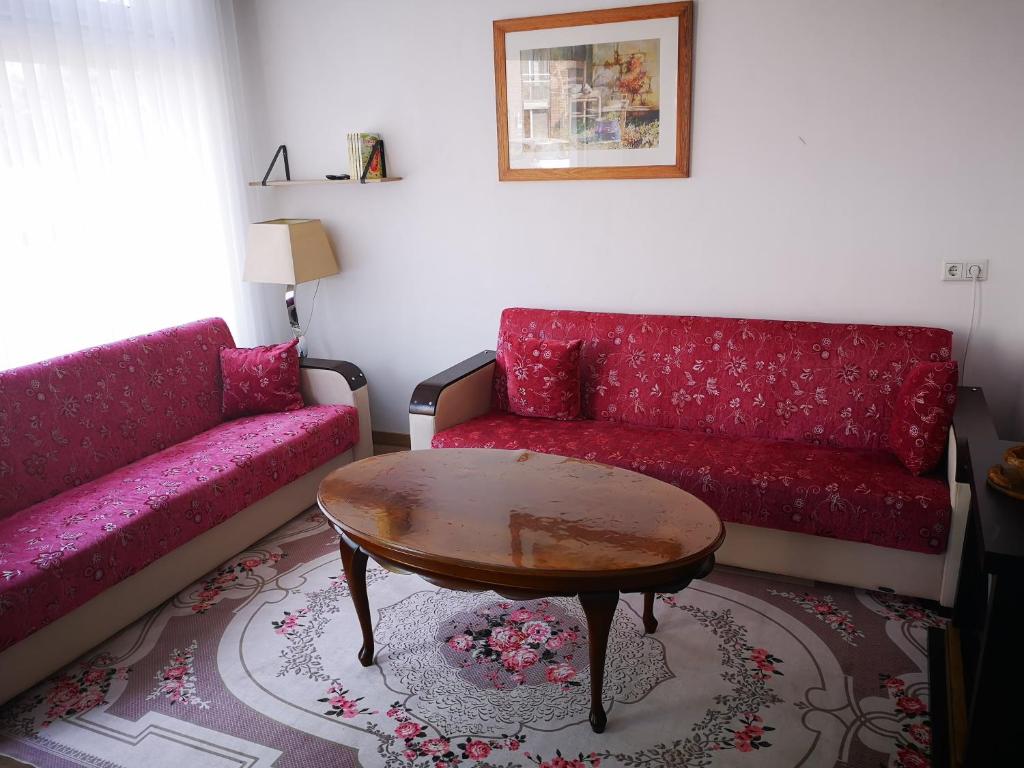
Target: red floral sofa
column 120, row 482
column 781, row 427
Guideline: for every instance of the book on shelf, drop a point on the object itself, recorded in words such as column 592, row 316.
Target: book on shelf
column 360, row 147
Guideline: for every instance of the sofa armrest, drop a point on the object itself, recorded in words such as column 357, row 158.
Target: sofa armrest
column 451, row 397
column 972, row 421
column 960, row 506
column 330, row 382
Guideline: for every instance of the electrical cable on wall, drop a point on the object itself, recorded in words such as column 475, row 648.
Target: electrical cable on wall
column 312, row 308
column 973, row 273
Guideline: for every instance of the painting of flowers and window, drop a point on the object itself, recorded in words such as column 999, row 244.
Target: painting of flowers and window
column 601, row 96
column 598, row 94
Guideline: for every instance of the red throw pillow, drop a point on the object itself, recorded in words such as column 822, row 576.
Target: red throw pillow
column 260, row 380
column 923, row 413
column 544, row 378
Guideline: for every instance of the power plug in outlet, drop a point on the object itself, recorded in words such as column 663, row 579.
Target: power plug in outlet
column 976, row 270
column 953, row 270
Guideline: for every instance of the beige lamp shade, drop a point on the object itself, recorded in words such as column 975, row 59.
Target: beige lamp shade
column 289, row 252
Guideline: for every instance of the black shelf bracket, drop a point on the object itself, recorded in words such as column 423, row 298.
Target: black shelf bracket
column 281, row 150
column 378, row 149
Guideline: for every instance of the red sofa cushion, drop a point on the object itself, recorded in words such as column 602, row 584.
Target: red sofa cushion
column 843, row 493
column 59, row 553
column 261, row 379
column 543, row 378
column 924, row 412
column 818, row 383
column 75, row 418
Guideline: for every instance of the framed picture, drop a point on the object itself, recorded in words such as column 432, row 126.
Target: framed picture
column 595, row 95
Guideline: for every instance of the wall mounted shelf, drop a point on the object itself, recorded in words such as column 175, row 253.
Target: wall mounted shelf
column 299, row 182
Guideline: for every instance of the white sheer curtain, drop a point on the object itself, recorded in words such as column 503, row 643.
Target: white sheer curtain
column 121, row 199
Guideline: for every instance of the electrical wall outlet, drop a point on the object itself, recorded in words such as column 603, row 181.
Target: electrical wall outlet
column 976, row 270
column 965, row 271
column 953, row 270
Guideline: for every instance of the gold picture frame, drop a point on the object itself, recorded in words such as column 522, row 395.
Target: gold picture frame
column 595, row 94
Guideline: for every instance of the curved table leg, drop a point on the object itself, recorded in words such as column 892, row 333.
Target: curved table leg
column 650, row 623
column 354, row 561
column 599, row 608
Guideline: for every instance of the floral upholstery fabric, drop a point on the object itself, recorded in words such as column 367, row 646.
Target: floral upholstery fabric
column 261, row 379
column 817, row 383
column 543, row 377
column 75, row 418
column 924, row 411
column 844, row 493
column 59, row 553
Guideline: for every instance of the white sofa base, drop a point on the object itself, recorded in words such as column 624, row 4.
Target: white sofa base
column 62, row 641
column 854, row 564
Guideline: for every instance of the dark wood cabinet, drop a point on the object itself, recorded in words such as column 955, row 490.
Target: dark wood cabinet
column 977, row 664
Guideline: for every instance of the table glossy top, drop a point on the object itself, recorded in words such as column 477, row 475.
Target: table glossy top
column 518, row 510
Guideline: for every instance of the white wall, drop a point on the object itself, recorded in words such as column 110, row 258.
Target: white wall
column 841, row 151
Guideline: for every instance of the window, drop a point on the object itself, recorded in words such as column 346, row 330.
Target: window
column 121, row 207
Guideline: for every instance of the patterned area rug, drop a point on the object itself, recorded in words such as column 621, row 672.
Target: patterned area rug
column 255, row 665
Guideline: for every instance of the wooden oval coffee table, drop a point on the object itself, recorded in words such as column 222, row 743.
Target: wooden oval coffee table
column 526, row 525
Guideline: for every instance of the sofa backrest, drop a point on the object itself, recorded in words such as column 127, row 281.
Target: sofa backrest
column 74, row 418
column 821, row 383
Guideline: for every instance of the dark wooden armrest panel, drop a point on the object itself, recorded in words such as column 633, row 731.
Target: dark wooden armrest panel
column 352, row 373
column 972, row 417
column 428, row 392
column 972, row 422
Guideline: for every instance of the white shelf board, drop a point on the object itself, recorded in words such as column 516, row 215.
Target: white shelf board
column 300, row 182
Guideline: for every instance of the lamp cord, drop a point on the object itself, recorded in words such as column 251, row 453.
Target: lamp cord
column 312, row 307
column 976, row 293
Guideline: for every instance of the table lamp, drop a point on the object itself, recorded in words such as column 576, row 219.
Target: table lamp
column 289, row 252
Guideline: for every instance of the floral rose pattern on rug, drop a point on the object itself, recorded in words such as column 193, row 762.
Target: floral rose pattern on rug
column 65, row 695
column 825, row 609
column 734, row 676
column 913, row 747
column 901, row 609
column 461, row 692
column 342, row 704
column 288, row 625
column 729, row 725
column 519, row 644
column 77, row 694
column 559, row 761
column 751, row 735
column 177, row 680
column 764, row 663
column 419, row 748
column 303, row 626
column 227, row 577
